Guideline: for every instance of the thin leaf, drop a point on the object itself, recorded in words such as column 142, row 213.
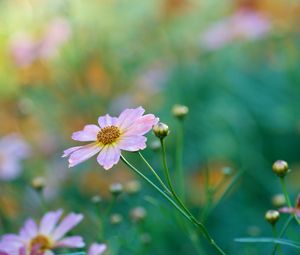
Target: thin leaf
column 268, row 240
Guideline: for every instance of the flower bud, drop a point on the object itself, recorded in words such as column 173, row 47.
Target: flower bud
column 278, row 200
column 132, row 187
column 138, row 214
column 227, row 171
column 161, row 130
column 38, row 183
column 280, row 167
column 116, row 189
column 272, row 216
column 96, row 199
column 155, row 145
column 180, row 111
column 116, row 218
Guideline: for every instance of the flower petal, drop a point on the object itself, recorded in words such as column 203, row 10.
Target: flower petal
column 287, row 210
column 66, row 225
column 88, row 134
column 29, row 229
column 84, row 153
column 129, row 116
column 132, row 143
column 97, row 249
column 71, row 242
column 11, row 241
column 49, row 221
column 109, row 156
column 142, row 125
column 69, row 151
column 107, row 120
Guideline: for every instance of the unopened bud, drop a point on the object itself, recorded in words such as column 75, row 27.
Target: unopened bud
column 138, row 214
column 161, row 130
column 278, row 200
column 272, row 216
column 38, row 183
column 96, row 199
column 227, row 171
column 132, row 187
column 116, row 218
column 155, row 145
column 180, row 111
column 116, row 189
column 280, row 167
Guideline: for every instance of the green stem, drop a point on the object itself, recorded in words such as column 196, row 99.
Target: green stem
column 193, row 237
column 286, row 195
column 179, row 155
column 167, row 175
column 178, row 200
column 177, row 207
column 275, row 236
column 282, row 232
column 154, row 173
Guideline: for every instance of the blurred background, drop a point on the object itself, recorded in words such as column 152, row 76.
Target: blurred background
column 234, row 63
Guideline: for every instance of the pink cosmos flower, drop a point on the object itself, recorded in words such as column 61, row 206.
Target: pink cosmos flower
column 292, row 210
column 13, row 149
column 113, row 134
column 96, row 249
column 21, row 251
column 45, row 237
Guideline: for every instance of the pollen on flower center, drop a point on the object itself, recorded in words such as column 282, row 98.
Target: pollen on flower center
column 108, row 135
column 40, row 242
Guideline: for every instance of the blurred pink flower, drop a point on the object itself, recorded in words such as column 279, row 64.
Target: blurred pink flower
column 292, row 210
column 25, row 50
column 113, row 134
column 13, row 149
column 45, row 237
column 247, row 25
column 57, row 33
column 97, row 249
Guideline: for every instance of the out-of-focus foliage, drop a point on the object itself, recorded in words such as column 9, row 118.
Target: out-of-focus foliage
column 235, row 64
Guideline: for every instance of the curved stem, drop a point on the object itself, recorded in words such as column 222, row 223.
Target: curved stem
column 177, row 207
column 282, row 232
column 167, row 175
column 285, row 193
column 193, row 237
column 275, row 236
column 155, row 187
column 154, row 173
column 178, row 200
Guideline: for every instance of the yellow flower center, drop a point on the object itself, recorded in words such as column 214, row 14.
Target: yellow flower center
column 108, row 135
column 41, row 242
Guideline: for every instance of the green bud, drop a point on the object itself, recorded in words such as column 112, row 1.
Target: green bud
column 161, row 130
column 116, row 218
column 138, row 214
column 116, row 189
column 38, row 183
column 180, row 111
column 96, row 199
column 280, row 168
column 272, row 216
